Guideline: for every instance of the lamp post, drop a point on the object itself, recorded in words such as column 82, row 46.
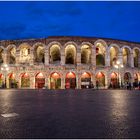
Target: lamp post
column 118, row 65
column 5, row 69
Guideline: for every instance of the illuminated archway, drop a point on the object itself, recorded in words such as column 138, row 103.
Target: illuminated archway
column 1, row 58
column 25, row 80
column 12, row 81
column 70, row 54
column 100, row 79
column 39, row 80
column 24, row 53
column 39, row 54
column 100, row 54
column 136, row 57
column 85, row 80
column 86, row 54
column 127, row 77
column 70, row 81
column 11, row 54
column 113, row 55
column 55, row 81
column 114, row 80
column 55, row 55
column 1, row 80
column 126, row 57
column 136, row 78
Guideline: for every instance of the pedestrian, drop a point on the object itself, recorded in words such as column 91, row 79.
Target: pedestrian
column 97, row 84
column 129, row 85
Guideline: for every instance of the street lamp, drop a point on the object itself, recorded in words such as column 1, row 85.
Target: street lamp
column 118, row 65
column 5, row 69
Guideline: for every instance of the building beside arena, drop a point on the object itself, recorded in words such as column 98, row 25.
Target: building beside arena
column 68, row 62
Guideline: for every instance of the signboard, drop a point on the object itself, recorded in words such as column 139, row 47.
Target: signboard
column 85, row 83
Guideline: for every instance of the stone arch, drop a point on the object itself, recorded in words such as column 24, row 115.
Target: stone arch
column 86, row 80
column 39, row 80
column 136, row 56
column 55, row 80
column 1, row 80
column 127, row 77
column 25, row 80
column 24, row 52
column 113, row 53
column 101, row 48
column 136, row 77
column 114, row 81
column 2, row 50
column 12, row 83
column 70, row 53
column 100, row 79
column 55, row 54
column 70, row 80
column 11, row 52
column 39, row 52
column 126, row 54
column 86, row 53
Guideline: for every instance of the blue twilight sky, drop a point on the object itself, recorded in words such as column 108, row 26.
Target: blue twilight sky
column 117, row 20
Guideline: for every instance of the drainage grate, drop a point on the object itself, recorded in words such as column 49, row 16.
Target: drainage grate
column 9, row 115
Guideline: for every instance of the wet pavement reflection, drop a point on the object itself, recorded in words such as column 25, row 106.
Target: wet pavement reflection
column 70, row 114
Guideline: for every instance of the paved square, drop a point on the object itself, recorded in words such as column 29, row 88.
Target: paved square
column 70, row 114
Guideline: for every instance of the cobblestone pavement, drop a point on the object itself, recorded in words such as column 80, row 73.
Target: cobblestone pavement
column 70, row 114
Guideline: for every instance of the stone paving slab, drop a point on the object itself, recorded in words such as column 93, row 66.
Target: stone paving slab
column 70, row 114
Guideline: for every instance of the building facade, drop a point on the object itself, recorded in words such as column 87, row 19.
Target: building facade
column 68, row 62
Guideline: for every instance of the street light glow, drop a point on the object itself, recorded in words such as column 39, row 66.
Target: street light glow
column 118, row 62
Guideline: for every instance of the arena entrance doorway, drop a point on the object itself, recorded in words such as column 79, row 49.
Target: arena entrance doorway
column 100, row 80
column 114, row 81
column 70, row 81
column 55, row 81
column 12, row 81
column 86, row 80
column 39, row 80
column 25, row 80
column 127, row 77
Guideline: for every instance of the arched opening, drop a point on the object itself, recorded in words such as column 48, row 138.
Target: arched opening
column 113, row 55
column 25, row 80
column 100, row 79
column 70, row 53
column 136, row 77
column 24, row 53
column 136, row 81
column 39, row 80
column 55, row 81
column 126, row 57
column 114, row 82
column 12, row 55
column 86, row 54
column 12, row 81
column 136, row 57
column 85, row 80
column 1, row 53
column 1, row 81
column 55, row 55
column 127, row 77
column 100, row 54
column 39, row 54
column 70, row 81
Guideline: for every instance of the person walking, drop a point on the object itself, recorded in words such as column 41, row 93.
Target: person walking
column 139, row 85
column 97, row 84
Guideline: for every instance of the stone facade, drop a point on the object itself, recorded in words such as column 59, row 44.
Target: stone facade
column 60, row 57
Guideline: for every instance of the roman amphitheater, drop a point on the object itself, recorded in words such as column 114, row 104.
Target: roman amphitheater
column 68, row 62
